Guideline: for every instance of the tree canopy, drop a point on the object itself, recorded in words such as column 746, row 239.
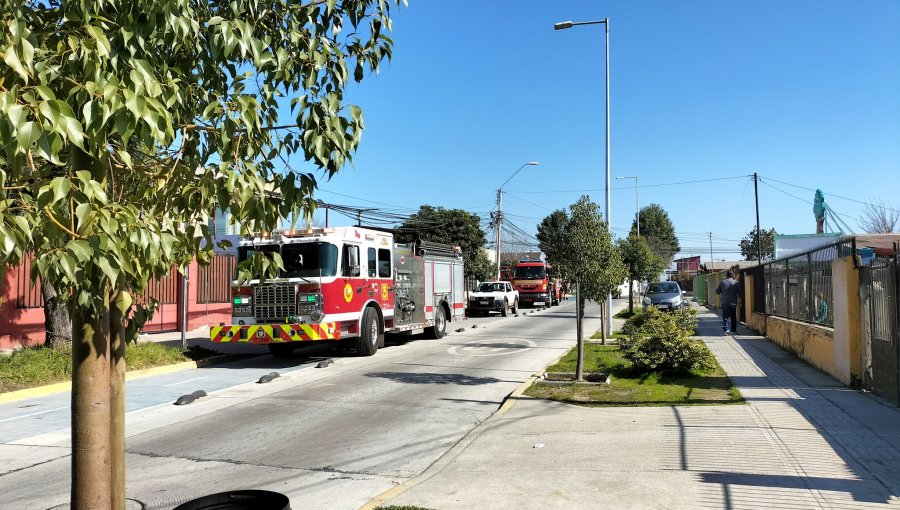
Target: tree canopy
column 640, row 262
column 451, row 226
column 749, row 245
column 551, row 236
column 125, row 124
column 657, row 229
column 589, row 255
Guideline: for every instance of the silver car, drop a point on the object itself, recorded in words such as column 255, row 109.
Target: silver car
column 664, row 295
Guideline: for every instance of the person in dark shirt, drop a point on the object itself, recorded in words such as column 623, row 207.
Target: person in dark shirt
column 728, row 290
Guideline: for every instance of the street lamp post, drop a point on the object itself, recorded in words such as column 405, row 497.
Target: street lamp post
column 605, row 22
column 500, row 211
column 637, row 202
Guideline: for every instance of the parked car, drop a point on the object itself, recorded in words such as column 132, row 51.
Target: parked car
column 493, row 297
column 664, row 295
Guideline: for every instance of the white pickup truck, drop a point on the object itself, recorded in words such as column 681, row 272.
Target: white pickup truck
column 493, row 296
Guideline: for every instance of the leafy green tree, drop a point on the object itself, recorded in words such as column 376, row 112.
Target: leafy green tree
column 451, row 226
column 551, row 235
column 749, row 245
column 590, row 259
column 125, row 124
column 657, row 229
column 640, row 262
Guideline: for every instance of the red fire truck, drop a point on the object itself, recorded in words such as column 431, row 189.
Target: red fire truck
column 348, row 283
column 531, row 278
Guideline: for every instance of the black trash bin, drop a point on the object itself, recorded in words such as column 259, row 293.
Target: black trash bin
column 239, row 500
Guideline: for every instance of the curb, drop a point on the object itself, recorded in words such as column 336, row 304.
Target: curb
column 40, row 391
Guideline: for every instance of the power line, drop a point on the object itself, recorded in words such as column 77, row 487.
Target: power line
column 642, row 185
column 800, row 199
column 833, row 195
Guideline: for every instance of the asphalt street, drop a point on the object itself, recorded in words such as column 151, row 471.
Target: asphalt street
column 327, row 437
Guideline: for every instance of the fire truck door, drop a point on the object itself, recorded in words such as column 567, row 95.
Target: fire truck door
column 429, row 290
column 459, row 299
column 443, row 283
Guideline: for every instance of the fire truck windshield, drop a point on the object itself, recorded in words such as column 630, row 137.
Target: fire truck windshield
column 301, row 260
column 530, row 273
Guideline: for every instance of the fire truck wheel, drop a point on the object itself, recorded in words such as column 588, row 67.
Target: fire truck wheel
column 369, row 337
column 440, row 323
column 504, row 309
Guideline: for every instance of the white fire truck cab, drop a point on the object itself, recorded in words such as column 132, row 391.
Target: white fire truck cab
column 345, row 283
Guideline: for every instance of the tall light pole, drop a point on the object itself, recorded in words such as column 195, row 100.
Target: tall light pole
column 500, row 211
column 605, row 22
column 637, row 202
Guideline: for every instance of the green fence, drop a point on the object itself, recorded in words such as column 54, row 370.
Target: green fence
column 700, row 288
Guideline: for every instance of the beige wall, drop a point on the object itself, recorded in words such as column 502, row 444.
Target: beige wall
column 835, row 350
column 757, row 322
column 845, row 309
column 813, row 343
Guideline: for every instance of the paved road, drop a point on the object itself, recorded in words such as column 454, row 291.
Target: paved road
column 328, row 438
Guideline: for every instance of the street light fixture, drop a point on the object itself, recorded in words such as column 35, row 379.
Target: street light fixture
column 605, row 22
column 637, row 203
column 500, row 210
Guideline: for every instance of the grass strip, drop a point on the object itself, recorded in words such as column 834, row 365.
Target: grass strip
column 38, row 366
column 628, row 388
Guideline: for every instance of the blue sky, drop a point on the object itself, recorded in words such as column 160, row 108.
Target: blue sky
column 802, row 92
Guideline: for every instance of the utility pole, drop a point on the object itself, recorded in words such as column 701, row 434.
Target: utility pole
column 710, row 251
column 499, row 222
column 758, row 233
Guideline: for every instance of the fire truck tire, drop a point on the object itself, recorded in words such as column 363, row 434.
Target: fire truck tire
column 369, row 336
column 504, row 309
column 282, row 350
column 440, row 323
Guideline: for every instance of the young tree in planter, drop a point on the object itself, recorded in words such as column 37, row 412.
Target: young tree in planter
column 591, row 259
column 126, row 124
column 640, row 262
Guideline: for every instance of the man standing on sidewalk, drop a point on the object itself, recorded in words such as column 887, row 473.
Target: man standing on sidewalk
column 728, row 290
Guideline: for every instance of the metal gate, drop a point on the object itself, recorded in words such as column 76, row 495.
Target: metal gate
column 880, row 309
column 165, row 292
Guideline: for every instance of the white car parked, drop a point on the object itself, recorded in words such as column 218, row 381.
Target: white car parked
column 493, row 296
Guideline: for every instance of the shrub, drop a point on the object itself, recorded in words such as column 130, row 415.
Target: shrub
column 665, row 345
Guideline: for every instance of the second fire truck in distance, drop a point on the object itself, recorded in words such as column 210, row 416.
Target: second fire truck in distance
column 346, row 283
column 532, row 279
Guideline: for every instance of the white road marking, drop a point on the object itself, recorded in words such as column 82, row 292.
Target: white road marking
column 34, row 414
column 487, row 348
column 185, row 382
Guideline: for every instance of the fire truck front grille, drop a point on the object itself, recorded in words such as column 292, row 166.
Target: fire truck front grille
column 274, row 302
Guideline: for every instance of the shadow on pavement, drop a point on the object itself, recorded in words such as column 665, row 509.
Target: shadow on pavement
column 865, row 455
column 433, row 378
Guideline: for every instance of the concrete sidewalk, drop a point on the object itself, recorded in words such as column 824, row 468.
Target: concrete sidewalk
column 803, row 440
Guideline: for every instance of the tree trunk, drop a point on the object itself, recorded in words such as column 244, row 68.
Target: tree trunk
column 630, row 296
column 603, row 319
column 117, row 403
column 57, row 323
column 579, row 315
column 91, row 444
